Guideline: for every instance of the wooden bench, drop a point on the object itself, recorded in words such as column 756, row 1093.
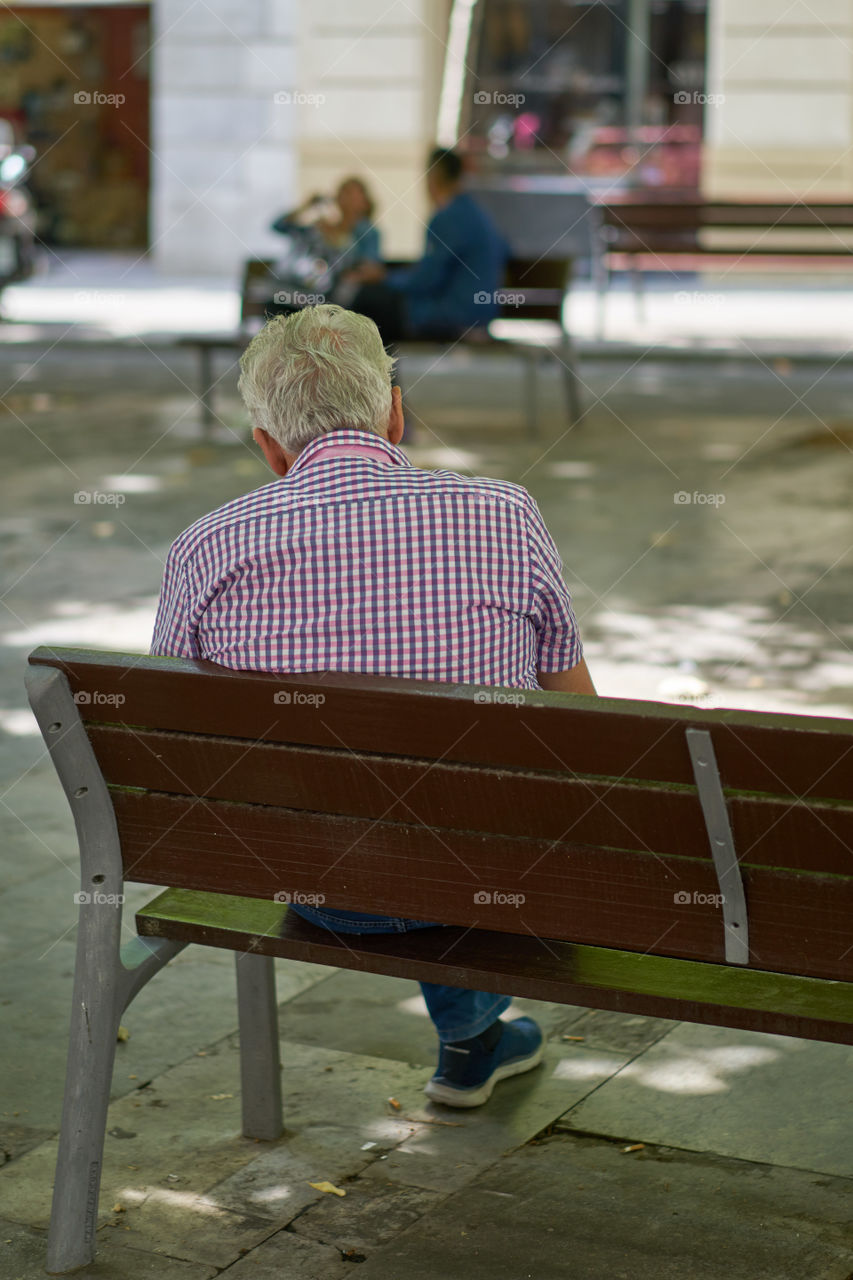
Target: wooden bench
column 619, row 855
column 534, row 290
column 646, row 234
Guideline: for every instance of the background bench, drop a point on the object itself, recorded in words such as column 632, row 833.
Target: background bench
column 578, row 848
column 537, row 287
column 640, row 233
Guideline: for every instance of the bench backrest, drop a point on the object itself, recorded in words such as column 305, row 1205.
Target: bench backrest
column 534, row 289
column 521, row 811
column 634, row 223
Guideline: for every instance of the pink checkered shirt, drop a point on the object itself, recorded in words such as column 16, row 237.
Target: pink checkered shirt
column 358, row 561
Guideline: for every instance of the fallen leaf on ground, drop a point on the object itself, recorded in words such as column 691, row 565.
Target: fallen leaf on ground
column 327, row 1186
column 118, row 1208
column 122, row 1034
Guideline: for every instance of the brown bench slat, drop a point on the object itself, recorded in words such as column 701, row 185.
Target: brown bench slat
column 547, row 806
column 521, row 966
column 799, row 755
column 606, row 897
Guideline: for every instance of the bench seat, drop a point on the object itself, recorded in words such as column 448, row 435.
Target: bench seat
column 537, row 968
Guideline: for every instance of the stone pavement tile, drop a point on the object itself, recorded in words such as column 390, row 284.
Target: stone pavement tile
column 587, row 1210
column 177, row 1143
column 277, row 1184
column 334, row 1104
column 41, row 910
column 23, row 1249
column 37, row 828
column 197, row 989
column 622, row 1032
column 738, row 1093
column 287, row 1256
column 370, row 1013
column 182, row 1225
column 458, row 1144
column 372, row 1213
column 186, row 1124
column 17, row 1137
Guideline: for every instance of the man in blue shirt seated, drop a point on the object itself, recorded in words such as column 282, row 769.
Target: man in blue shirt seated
column 452, row 289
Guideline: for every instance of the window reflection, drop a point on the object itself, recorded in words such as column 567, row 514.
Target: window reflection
column 606, row 90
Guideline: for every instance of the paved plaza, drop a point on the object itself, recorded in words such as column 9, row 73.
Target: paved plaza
column 702, row 508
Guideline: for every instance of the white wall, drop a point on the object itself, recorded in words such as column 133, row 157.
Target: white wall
column 224, row 149
column 784, row 70
column 256, row 103
column 377, row 65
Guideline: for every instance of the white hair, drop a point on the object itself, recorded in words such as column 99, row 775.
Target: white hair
column 318, row 370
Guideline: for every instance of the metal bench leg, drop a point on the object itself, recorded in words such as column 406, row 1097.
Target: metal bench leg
column 91, row 1050
column 602, row 275
column 531, row 372
column 259, row 1053
column 571, row 381
column 106, row 975
column 208, row 417
column 639, row 295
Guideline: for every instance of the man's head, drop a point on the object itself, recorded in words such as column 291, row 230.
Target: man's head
column 444, row 173
column 354, row 200
column 319, row 370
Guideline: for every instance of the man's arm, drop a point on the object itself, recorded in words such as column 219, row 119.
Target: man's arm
column 561, row 667
column 575, row 680
column 172, row 637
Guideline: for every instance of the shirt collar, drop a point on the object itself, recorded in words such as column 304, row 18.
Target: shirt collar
column 349, row 442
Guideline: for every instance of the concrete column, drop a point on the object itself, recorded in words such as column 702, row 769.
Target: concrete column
column 779, row 119
column 369, row 77
column 224, row 153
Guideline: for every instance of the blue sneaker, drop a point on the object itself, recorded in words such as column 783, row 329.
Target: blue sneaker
column 468, row 1071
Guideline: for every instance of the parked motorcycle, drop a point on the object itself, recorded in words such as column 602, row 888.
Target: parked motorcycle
column 17, row 211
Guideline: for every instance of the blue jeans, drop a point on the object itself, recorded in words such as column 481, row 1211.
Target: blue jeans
column 456, row 1012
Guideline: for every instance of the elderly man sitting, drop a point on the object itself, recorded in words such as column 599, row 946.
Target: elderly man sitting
column 354, row 560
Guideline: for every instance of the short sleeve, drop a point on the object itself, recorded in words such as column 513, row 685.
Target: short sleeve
column 559, row 641
column 172, row 637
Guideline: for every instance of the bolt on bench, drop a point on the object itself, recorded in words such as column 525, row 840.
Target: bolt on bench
column 619, row 855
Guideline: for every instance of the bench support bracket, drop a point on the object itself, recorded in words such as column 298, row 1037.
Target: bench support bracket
column 707, row 775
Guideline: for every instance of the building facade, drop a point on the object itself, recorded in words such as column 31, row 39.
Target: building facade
column 233, row 111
